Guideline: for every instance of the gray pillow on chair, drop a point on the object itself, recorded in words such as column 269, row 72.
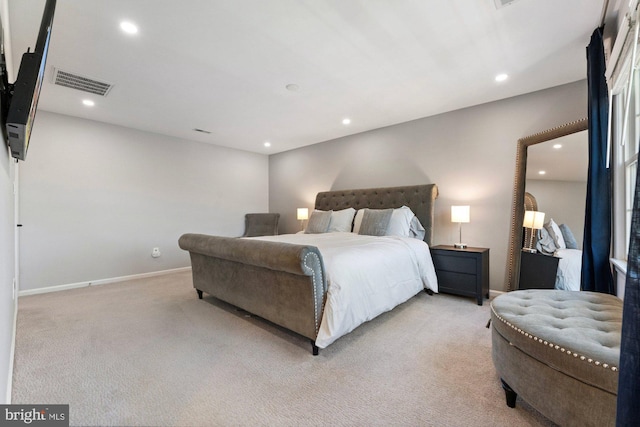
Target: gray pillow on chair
column 375, row 222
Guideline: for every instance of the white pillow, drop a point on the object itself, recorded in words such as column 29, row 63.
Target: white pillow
column 358, row 221
column 400, row 223
column 416, row 229
column 341, row 220
column 555, row 232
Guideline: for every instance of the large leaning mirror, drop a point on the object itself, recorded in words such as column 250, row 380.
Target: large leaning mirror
column 560, row 192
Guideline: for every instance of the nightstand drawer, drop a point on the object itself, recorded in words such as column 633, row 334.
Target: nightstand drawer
column 455, row 263
column 449, row 280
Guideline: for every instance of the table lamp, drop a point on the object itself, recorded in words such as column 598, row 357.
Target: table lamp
column 303, row 214
column 460, row 214
column 533, row 220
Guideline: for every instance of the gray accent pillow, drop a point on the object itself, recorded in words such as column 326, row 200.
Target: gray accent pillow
column 375, row 222
column 318, row 222
column 569, row 238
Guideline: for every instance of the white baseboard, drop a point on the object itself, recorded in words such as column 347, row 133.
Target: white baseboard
column 12, row 352
column 100, row 282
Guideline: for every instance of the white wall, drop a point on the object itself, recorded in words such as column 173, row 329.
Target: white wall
column 7, row 269
column 564, row 201
column 96, row 198
column 469, row 153
column 8, row 305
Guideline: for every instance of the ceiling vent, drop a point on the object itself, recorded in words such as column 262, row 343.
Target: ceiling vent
column 502, row 3
column 85, row 84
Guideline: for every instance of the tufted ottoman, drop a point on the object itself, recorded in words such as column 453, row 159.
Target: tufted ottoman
column 559, row 350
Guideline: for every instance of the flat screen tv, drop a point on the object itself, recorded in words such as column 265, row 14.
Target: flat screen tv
column 22, row 96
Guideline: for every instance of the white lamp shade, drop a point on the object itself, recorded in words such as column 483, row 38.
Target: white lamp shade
column 303, row 213
column 460, row 213
column 533, row 219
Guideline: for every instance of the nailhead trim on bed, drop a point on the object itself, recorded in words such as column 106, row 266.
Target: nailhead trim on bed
column 552, row 345
column 316, row 309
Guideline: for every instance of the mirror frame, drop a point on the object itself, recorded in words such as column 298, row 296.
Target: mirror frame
column 517, row 207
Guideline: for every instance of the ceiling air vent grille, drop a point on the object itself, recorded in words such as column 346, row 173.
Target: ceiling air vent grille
column 85, row 84
column 502, row 3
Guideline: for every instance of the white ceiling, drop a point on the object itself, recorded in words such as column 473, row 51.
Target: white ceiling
column 568, row 163
column 222, row 65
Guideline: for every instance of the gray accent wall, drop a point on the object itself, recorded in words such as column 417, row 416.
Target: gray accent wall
column 95, row 199
column 469, row 153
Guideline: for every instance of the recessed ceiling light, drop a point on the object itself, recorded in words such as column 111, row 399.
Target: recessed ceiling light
column 88, row 102
column 267, row 144
column 542, row 172
column 292, row 87
column 501, row 77
column 128, row 27
column 346, row 121
column 557, row 146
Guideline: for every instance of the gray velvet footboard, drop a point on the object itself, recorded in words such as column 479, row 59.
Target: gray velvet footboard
column 280, row 282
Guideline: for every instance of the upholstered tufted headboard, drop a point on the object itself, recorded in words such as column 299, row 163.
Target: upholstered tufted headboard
column 419, row 198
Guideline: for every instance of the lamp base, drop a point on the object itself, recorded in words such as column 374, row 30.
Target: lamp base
column 460, row 245
column 530, row 250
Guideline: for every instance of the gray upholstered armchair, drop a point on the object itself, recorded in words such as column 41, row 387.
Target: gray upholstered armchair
column 261, row 224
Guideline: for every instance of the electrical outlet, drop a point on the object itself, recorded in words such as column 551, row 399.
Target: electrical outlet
column 155, row 253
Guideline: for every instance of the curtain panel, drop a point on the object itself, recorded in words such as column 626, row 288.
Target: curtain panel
column 596, row 270
column 628, row 410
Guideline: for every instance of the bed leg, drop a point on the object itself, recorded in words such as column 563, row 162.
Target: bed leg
column 199, row 293
column 428, row 291
column 509, row 394
column 314, row 348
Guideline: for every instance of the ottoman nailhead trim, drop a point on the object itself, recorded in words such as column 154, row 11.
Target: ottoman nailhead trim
column 554, row 346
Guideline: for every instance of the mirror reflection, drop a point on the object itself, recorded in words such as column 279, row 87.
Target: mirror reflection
column 556, row 179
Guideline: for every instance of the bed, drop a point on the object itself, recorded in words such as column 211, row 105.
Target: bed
column 558, row 241
column 555, row 240
column 569, row 269
column 323, row 285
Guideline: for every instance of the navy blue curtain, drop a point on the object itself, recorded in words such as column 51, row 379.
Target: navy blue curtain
column 629, row 379
column 596, row 270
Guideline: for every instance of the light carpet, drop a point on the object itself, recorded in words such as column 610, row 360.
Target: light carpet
column 148, row 352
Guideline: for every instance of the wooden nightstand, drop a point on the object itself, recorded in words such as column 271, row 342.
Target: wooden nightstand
column 462, row 271
column 537, row 271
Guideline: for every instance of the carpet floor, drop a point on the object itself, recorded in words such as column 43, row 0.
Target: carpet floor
column 148, row 353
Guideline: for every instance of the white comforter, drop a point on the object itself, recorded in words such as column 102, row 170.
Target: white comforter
column 366, row 276
column 569, row 269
